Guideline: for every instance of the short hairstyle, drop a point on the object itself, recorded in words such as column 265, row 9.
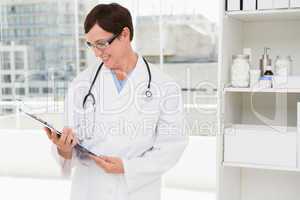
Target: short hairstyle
column 110, row 17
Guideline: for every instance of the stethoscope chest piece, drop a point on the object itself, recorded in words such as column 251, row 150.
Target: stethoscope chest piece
column 148, row 93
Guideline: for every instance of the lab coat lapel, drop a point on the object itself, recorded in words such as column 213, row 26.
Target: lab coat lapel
column 137, row 76
column 120, row 102
column 108, row 94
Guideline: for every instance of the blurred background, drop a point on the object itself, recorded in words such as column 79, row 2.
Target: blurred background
column 42, row 48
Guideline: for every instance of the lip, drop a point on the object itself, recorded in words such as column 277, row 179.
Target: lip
column 105, row 59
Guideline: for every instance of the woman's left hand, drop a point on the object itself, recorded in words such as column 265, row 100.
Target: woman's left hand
column 112, row 165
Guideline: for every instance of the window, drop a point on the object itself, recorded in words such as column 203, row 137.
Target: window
column 82, row 43
column 6, row 91
column 67, row 6
column 5, row 60
column 28, row 32
column 67, row 19
column 82, row 64
column 19, row 60
column 19, row 56
column 34, row 90
column 81, row 6
column 16, row 32
column 6, row 78
column 13, row 9
column 8, row 110
column 47, row 90
column 20, row 91
column 82, row 54
column 20, row 78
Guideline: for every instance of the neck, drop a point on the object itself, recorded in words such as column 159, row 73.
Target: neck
column 127, row 65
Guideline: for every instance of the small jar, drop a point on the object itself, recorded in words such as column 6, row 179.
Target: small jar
column 283, row 65
column 240, row 71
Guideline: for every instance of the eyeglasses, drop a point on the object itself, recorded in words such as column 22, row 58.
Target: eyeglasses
column 102, row 44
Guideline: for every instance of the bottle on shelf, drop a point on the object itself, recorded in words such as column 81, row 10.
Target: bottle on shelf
column 240, row 71
column 283, row 65
column 266, row 81
column 268, row 71
column 265, row 61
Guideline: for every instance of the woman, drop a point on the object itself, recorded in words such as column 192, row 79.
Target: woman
column 126, row 111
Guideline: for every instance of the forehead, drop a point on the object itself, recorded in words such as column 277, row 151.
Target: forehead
column 97, row 33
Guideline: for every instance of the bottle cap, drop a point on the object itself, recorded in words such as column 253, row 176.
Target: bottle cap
column 241, row 56
column 268, row 67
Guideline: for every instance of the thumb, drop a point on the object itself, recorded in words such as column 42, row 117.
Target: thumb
column 93, row 157
column 109, row 159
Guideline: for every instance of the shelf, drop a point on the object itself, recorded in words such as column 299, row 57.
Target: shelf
column 265, row 15
column 202, row 106
column 262, row 128
column 263, row 90
column 255, row 166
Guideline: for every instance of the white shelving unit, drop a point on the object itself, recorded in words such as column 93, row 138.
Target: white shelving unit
column 258, row 140
column 263, row 90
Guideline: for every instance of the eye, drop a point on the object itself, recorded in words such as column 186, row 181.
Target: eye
column 88, row 44
column 102, row 44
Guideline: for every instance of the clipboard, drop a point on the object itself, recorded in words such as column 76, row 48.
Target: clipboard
column 78, row 147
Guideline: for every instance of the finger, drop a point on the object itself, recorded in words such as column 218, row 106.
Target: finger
column 74, row 142
column 92, row 157
column 48, row 132
column 102, row 163
column 63, row 138
column 54, row 137
column 67, row 130
column 69, row 139
column 105, row 165
column 70, row 135
column 108, row 159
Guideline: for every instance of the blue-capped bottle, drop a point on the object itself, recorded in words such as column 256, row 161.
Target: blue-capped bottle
column 268, row 75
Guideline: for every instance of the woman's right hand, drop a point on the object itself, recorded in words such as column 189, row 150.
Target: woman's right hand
column 64, row 143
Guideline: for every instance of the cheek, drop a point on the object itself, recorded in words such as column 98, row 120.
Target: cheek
column 115, row 55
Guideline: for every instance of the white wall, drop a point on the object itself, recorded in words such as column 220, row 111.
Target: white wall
column 197, row 167
column 27, row 153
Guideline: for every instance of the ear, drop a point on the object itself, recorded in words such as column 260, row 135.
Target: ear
column 126, row 33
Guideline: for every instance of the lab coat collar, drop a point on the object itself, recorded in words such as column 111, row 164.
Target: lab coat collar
column 138, row 74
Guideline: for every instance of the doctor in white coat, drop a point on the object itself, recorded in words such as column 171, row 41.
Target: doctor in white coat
column 136, row 135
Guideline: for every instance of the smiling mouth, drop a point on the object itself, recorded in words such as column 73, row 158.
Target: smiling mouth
column 105, row 58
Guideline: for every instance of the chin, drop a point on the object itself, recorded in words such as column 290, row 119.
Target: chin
column 108, row 65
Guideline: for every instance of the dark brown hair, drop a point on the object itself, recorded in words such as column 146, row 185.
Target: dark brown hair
column 110, row 17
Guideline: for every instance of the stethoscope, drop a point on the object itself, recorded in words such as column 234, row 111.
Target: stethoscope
column 148, row 92
column 89, row 95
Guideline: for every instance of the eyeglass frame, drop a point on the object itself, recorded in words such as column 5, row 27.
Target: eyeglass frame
column 103, row 46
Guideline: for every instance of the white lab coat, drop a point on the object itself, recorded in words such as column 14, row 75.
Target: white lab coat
column 146, row 134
